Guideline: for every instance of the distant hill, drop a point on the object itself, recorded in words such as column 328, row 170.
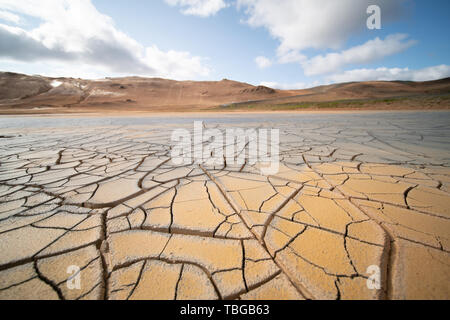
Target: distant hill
column 36, row 94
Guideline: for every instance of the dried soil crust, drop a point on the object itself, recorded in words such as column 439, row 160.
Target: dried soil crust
column 110, row 201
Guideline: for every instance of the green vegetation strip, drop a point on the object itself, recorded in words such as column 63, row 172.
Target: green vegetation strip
column 425, row 101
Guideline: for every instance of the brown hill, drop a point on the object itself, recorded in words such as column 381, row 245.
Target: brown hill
column 47, row 95
column 365, row 90
column 36, row 94
column 17, row 86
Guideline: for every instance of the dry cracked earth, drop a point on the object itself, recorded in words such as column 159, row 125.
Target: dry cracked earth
column 351, row 193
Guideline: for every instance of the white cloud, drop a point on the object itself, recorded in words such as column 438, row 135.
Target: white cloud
column 263, row 62
column 318, row 24
column 201, row 8
column 75, row 34
column 370, row 51
column 10, row 17
column 392, row 74
column 289, row 86
column 175, row 64
column 291, row 57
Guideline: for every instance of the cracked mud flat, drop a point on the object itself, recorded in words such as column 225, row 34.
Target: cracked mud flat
column 353, row 191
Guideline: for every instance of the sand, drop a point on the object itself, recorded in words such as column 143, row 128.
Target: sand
column 355, row 194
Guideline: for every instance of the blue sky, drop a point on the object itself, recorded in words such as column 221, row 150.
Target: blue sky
column 279, row 43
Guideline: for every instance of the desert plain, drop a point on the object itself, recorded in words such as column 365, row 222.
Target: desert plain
column 356, row 193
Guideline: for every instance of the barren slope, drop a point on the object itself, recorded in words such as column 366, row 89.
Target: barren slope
column 27, row 94
column 21, row 94
column 364, row 91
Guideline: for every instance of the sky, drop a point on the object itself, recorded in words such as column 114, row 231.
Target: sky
column 286, row 44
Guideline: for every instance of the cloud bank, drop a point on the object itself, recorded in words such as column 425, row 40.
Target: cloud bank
column 201, row 8
column 290, row 86
column 368, row 52
column 74, row 32
column 318, row 24
column 392, row 74
column 302, row 25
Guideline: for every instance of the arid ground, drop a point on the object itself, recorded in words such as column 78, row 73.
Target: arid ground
column 22, row 94
column 356, row 192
